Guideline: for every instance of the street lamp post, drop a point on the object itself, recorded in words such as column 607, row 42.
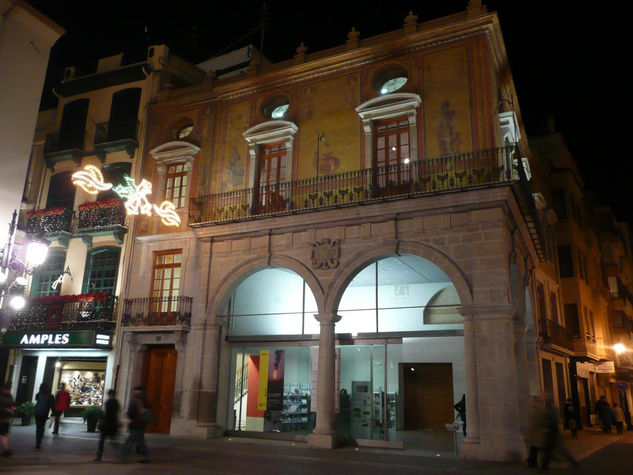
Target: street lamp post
column 13, row 271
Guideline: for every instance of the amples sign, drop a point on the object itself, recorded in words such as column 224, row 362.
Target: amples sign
column 54, row 339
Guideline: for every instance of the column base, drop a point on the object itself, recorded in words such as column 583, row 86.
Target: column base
column 324, row 441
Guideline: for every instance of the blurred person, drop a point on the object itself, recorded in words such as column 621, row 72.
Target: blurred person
column 109, row 422
column 604, row 413
column 44, row 404
column 570, row 418
column 7, row 407
column 62, row 401
column 619, row 418
column 140, row 414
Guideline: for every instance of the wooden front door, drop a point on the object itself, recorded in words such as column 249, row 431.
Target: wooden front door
column 160, row 377
column 428, row 395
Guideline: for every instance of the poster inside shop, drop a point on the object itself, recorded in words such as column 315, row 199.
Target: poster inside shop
column 271, row 380
column 85, row 387
column 275, row 399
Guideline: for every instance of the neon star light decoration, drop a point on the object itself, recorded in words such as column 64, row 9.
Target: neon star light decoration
column 90, row 180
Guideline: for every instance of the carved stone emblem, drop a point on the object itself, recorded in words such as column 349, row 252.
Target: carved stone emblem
column 326, row 253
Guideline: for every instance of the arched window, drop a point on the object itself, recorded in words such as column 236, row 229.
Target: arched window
column 102, row 268
column 394, row 295
column 273, row 302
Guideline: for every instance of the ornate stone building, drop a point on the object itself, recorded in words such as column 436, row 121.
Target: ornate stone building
column 357, row 246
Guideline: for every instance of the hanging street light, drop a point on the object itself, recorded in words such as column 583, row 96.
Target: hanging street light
column 13, row 271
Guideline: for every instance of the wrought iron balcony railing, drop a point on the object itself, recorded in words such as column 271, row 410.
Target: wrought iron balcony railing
column 67, row 312
column 552, row 332
column 101, row 215
column 115, row 131
column 428, row 176
column 47, row 221
column 146, row 311
column 65, row 140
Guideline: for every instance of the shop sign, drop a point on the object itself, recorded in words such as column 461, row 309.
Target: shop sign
column 605, row 367
column 57, row 339
column 582, row 369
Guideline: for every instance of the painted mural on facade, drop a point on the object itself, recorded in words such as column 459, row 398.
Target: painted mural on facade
column 329, row 140
column 234, row 165
column 447, row 128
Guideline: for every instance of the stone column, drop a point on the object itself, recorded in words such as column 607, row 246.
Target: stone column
column 470, row 446
column 324, row 435
column 497, row 383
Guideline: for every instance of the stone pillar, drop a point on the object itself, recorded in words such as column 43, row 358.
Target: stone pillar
column 470, row 446
column 325, row 435
column 497, row 383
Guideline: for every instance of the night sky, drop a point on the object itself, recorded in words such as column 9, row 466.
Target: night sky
column 567, row 58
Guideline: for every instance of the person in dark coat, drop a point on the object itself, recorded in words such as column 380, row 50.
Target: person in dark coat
column 460, row 407
column 139, row 414
column 109, row 422
column 44, row 404
column 604, row 413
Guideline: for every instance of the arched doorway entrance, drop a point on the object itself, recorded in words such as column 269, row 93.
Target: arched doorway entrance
column 400, row 368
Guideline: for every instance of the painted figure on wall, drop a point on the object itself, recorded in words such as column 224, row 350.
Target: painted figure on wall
column 233, row 174
column 448, row 138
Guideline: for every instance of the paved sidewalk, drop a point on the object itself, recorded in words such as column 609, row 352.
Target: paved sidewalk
column 74, row 449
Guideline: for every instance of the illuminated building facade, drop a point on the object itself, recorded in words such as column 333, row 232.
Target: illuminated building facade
column 356, row 251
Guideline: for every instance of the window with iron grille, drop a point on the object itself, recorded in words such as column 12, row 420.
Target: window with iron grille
column 176, row 185
column 166, row 281
column 47, row 274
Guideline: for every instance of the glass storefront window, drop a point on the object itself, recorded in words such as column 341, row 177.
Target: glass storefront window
column 272, row 389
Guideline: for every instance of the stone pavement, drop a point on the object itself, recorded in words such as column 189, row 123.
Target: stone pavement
column 74, row 449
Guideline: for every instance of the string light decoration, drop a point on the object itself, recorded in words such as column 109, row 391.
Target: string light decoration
column 167, row 213
column 136, row 202
column 135, row 195
column 90, row 180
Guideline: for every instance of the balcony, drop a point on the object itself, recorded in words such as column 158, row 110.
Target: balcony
column 52, row 223
column 151, row 312
column 586, row 345
column 95, row 218
column 428, row 176
column 555, row 334
column 101, row 218
column 64, row 145
column 116, row 136
column 68, row 313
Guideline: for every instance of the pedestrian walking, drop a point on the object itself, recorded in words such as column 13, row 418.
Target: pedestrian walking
column 62, row 401
column 619, row 418
column 535, row 435
column 604, row 413
column 570, row 418
column 140, row 414
column 7, row 406
column 109, row 422
column 460, row 407
column 44, row 404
